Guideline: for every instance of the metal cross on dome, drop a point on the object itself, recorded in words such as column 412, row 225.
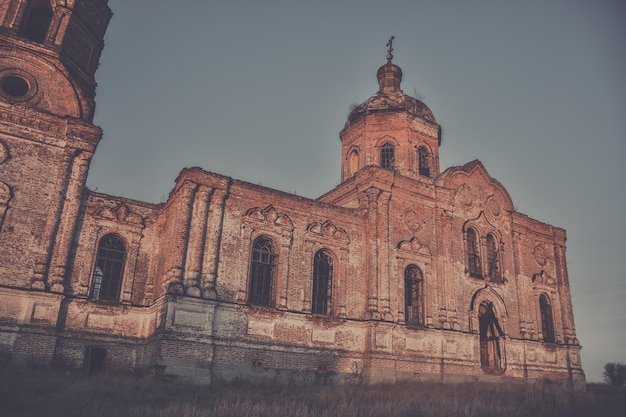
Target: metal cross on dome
column 390, row 45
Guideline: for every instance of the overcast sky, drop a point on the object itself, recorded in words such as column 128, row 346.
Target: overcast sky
column 259, row 90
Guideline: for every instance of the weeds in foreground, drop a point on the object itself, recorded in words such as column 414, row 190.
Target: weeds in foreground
column 54, row 394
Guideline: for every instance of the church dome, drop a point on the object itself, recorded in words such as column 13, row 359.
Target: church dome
column 390, row 97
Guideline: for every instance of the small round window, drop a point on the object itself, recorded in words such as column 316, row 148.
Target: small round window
column 14, row 86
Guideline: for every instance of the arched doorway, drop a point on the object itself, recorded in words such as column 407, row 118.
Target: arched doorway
column 490, row 334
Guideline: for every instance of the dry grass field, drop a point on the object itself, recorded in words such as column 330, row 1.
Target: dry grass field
column 54, row 394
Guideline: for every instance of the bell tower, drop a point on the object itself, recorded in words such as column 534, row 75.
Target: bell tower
column 55, row 46
column 49, row 53
column 392, row 130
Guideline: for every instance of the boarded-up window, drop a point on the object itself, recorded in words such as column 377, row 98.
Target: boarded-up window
column 354, row 162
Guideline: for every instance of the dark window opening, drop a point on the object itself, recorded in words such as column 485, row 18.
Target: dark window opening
column 95, row 360
column 413, row 293
column 107, row 276
column 490, row 334
column 262, row 272
column 493, row 263
column 36, row 21
column 424, row 161
column 473, row 257
column 322, row 282
column 386, row 155
column 14, row 86
column 547, row 325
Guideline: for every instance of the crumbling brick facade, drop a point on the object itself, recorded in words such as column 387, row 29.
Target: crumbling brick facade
column 402, row 272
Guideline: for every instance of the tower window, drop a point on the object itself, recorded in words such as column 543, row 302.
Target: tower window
column 413, row 293
column 36, row 20
column 493, row 261
column 424, row 161
column 107, row 276
column 322, row 282
column 14, row 86
column 386, row 155
column 473, row 256
column 262, row 271
column 547, row 325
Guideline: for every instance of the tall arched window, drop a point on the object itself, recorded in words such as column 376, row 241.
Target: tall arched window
column 108, row 273
column 386, row 155
column 490, row 334
column 493, row 261
column 36, row 20
column 424, row 161
column 262, row 270
column 322, row 282
column 547, row 325
column 473, row 256
column 413, row 294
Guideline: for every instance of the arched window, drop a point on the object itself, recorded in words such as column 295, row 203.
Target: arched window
column 36, row 20
column 107, row 275
column 547, row 325
column 493, row 261
column 322, row 282
column 353, row 162
column 413, row 295
column 424, row 161
column 473, row 256
column 262, row 271
column 386, row 155
column 490, row 334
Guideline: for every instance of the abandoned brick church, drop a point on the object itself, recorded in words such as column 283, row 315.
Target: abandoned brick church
column 402, row 272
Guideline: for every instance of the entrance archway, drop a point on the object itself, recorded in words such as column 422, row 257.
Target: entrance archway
column 490, row 334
